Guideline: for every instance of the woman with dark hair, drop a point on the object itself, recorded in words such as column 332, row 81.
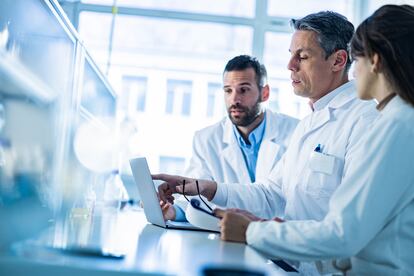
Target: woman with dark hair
column 371, row 214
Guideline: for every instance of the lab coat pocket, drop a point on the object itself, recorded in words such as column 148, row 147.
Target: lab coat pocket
column 322, row 163
column 324, row 174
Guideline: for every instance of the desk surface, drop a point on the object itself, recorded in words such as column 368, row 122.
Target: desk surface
column 149, row 250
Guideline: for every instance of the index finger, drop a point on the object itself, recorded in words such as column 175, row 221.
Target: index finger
column 161, row 176
column 219, row 212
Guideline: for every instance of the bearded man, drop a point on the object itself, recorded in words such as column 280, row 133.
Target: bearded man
column 245, row 145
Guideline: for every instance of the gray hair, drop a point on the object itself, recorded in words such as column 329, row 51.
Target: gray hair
column 334, row 31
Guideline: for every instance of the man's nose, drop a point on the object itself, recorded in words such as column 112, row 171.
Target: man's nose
column 292, row 65
column 235, row 98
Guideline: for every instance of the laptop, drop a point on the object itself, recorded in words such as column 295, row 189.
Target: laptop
column 149, row 198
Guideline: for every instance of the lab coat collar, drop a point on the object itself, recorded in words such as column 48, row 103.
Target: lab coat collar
column 232, row 152
column 395, row 104
column 337, row 97
column 234, row 156
column 270, row 142
column 271, row 130
column 341, row 96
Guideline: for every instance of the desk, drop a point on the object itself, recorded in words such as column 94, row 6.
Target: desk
column 150, row 250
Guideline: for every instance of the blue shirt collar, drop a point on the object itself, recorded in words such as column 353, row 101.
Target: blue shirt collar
column 255, row 137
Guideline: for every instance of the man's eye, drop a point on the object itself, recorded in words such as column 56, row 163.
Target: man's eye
column 303, row 57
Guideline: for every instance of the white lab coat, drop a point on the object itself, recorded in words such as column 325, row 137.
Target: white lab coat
column 295, row 189
column 217, row 155
column 371, row 215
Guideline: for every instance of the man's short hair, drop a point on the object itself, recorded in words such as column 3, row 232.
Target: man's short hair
column 334, row 31
column 244, row 62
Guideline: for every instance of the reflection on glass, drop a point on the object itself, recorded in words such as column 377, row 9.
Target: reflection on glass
column 97, row 41
column 96, row 97
column 94, row 145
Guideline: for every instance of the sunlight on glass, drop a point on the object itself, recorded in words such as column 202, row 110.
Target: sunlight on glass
column 217, row 7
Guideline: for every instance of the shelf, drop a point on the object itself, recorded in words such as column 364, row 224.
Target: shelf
column 17, row 81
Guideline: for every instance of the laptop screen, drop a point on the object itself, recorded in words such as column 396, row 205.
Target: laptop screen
column 147, row 191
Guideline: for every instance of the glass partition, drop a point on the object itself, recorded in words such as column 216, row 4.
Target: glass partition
column 36, row 78
column 56, row 114
column 37, row 61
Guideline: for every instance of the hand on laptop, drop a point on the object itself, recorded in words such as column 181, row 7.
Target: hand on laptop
column 168, row 210
column 174, row 184
column 233, row 224
column 238, row 211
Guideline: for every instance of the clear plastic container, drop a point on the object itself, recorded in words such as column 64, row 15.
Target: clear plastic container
column 114, row 192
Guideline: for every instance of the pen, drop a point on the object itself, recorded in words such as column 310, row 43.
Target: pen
column 318, row 148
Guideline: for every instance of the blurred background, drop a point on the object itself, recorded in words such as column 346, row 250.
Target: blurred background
column 165, row 59
column 86, row 85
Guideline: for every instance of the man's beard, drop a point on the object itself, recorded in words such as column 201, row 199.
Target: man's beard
column 247, row 117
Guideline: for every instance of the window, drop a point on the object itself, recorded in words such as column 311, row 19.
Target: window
column 221, row 7
column 181, row 47
column 133, row 95
column 172, row 165
column 375, row 4
column 213, row 90
column 300, row 8
column 178, row 97
column 97, row 42
column 274, row 100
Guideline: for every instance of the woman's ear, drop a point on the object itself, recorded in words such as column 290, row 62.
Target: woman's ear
column 375, row 63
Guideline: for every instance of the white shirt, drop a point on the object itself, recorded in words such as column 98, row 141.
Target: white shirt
column 371, row 215
column 217, row 155
column 296, row 188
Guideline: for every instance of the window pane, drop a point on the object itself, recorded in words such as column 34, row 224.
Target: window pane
column 276, row 51
column 185, row 109
column 287, row 102
column 177, row 44
column 219, row 7
column 375, row 4
column 274, row 100
column 97, row 42
column 96, row 97
column 172, row 165
column 167, row 52
column 276, row 57
column 178, row 97
column 300, row 8
column 213, row 90
column 170, row 102
column 133, row 95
